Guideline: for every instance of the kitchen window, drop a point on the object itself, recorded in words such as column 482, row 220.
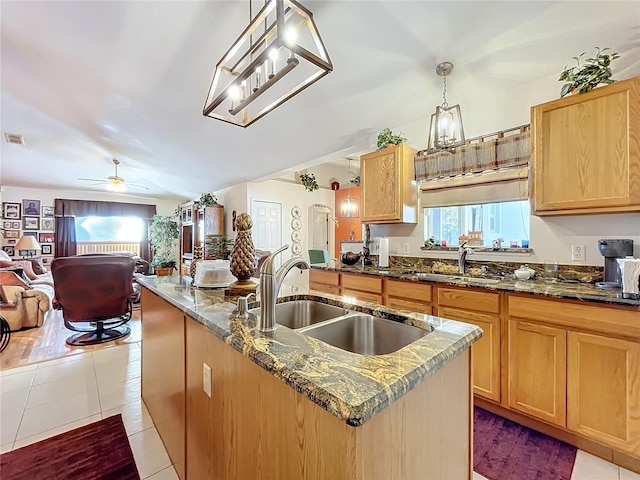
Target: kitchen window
column 479, row 224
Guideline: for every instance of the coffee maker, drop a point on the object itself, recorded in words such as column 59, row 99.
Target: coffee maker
column 611, row 250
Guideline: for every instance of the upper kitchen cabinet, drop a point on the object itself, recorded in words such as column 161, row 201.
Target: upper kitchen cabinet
column 585, row 154
column 389, row 194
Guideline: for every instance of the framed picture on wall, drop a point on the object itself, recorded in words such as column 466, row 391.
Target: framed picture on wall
column 15, row 225
column 31, row 207
column 7, row 224
column 12, row 241
column 9, row 250
column 31, row 223
column 11, row 234
column 11, row 210
column 47, row 224
column 47, row 211
column 45, row 238
column 47, row 249
column 30, row 234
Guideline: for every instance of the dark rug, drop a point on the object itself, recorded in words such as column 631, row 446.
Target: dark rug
column 99, row 450
column 504, row 450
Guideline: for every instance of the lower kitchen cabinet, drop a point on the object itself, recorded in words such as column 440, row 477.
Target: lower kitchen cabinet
column 410, row 296
column 603, row 390
column 163, row 373
column 324, row 281
column 538, row 371
column 362, row 287
column 485, row 353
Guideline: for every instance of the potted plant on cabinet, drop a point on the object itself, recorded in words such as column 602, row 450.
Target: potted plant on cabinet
column 163, row 236
column 386, row 136
column 309, row 181
column 593, row 72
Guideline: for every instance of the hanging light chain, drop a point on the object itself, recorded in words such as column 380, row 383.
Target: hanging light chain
column 444, row 92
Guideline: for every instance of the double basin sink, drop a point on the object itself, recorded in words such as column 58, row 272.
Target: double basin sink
column 352, row 331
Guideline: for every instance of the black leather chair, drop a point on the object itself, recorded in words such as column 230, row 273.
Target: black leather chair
column 97, row 290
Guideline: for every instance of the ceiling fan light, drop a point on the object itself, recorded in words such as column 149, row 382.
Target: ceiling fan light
column 115, row 184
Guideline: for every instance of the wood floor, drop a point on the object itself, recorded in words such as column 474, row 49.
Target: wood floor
column 48, row 342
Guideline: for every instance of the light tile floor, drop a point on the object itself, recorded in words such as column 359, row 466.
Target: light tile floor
column 39, row 401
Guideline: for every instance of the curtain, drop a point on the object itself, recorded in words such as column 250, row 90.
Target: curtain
column 145, row 247
column 65, row 238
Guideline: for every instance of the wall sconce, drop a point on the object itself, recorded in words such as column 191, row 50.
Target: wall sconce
column 445, row 130
column 287, row 56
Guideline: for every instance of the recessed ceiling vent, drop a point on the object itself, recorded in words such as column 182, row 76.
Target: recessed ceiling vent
column 14, row 138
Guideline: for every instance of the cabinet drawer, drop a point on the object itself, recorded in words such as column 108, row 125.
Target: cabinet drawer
column 611, row 320
column 410, row 290
column 402, row 304
column 322, row 276
column 364, row 296
column 469, row 299
column 361, row 282
column 321, row 287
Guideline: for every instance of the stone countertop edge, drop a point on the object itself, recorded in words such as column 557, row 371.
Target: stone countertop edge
column 351, row 387
column 570, row 291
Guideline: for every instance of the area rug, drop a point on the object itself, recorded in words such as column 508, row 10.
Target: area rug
column 98, row 451
column 505, row 450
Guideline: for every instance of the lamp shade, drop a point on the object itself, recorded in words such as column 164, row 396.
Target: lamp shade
column 27, row 242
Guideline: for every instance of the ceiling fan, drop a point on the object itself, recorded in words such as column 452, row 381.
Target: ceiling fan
column 114, row 183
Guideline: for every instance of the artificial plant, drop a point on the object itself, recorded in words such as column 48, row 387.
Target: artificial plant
column 218, row 246
column 206, row 199
column 386, row 136
column 309, row 181
column 593, row 72
column 163, row 236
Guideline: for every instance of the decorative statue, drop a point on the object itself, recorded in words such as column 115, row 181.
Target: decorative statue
column 243, row 255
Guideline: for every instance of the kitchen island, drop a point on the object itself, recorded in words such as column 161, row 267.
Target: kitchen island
column 285, row 405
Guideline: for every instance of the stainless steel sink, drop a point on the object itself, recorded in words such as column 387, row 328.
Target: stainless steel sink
column 302, row 313
column 435, row 276
column 365, row 334
column 445, row 277
column 485, row 281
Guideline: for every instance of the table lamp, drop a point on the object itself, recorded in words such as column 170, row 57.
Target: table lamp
column 29, row 243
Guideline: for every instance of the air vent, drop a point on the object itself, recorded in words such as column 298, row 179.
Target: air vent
column 14, row 138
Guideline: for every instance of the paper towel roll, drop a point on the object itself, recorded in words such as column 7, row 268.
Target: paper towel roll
column 630, row 270
column 383, row 255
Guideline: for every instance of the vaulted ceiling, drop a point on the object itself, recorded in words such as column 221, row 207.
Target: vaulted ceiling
column 85, row 82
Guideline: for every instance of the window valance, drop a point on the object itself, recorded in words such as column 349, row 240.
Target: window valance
column 87, row 208
column 503, row 150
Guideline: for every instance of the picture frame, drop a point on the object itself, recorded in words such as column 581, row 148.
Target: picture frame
column 6, row 224
column 30, row 208
column 11, row 210
column 11, row 234
column 45, row 237
column 47, row 211
column 47, row 249
column 30, row 234
column 31, row 223
column 12, row 241
column 47, row 224
column 16, row 225
column 9, row 250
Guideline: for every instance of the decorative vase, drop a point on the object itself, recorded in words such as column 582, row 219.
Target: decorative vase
column 197, row 256
column 243, row 255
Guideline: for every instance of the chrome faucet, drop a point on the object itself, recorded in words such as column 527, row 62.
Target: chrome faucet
column 463, row 251
column 270, row 283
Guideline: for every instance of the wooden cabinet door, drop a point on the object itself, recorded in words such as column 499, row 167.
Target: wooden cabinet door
column 603, row 390
column 485, row 353
column 163, row 373
column 586, row 151
column 537, row 371
column 388, row 195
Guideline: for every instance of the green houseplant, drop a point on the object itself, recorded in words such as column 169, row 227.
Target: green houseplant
column 163, row 236
column 206, row 200
column 593, row 72
column 386, row 136
column 219, row 246
column 309, row 181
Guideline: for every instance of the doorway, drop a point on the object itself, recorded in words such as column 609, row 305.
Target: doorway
column 321, row 228
column 267, row 225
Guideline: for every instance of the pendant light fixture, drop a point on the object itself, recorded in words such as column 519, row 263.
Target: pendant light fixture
column 445, row 131
column 349, row 205
column 254, row 77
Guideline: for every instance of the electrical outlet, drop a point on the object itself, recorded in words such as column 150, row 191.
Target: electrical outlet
column 578, row 253
column 206, row 379
column 405, row 248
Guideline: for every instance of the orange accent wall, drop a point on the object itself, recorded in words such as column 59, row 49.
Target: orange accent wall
column 344, row 224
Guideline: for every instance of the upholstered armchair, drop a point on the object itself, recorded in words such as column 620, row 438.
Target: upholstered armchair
column 32, row 302
column 97, row 290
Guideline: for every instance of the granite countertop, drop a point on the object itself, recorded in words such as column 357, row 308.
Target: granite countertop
column 573, row 290
column 352, row 387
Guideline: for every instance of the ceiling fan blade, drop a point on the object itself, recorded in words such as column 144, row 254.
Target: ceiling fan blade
column 136, row 185
column 93, row 180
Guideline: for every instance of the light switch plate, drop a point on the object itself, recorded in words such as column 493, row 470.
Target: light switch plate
column 206, row 379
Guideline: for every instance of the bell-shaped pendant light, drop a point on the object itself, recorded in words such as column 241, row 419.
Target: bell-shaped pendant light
column 445, row 131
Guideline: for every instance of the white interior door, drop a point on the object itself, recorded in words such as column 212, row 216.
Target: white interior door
column 267, row 225
column 320, row 228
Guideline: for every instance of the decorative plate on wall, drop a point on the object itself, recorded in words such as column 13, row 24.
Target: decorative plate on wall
column 296, row 212
column 296, row 224
column 296, row 236
column 296, row 248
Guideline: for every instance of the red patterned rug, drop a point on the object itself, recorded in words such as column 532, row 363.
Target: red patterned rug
column 98, row 451
column 504, row 450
